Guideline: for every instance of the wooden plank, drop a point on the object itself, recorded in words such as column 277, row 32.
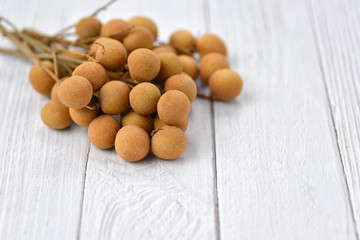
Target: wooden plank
column 278, row 168
column 155, row 199
column 41, row 170
column 337, row 31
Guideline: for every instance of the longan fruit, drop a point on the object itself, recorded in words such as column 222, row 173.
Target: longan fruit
column 88, row 27
column 111, row 54
column 173, row 107
column 114, row 97
column 225, row 84
column 54, row 89
column 144, row 65
column 183, row 40
column 116, row 29
column 96, row 44
column 168, row 143
column 189, row 66
column 164, row 48
column 210, row 63
column 170, row 65
column 182, row 83
column 83, row 116
column 144, row 98
column 133, row 118
column 139, row 37
column 102, row 131
column 41, row 81
column 92, row 71
column 159, row 124
column 132, row 143
column 55, row 115
column 75, row 92
column 144, row 22
column 208, row 43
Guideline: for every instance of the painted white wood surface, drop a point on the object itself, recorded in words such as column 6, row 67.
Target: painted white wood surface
column 277, row 174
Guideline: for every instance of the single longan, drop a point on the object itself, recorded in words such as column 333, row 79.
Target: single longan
column 139, row 37
column 210, row 63
column 75, row 92
column 210, row 43
column 102, row 131
column 159, row 124
column 168, row 143
column 54, row 89
column 173, row 107
column 92, row 71
column 164, row 48
column 116, row 29
column 189, row 66
column 88, row 27
column 41, row 81
column 225, row 84
column 55, row 115
column 132, row 143
column 114, row 97
column 133, row 118
column 144, row 65
column 182, row 83
column 111, row 53
column 183, row 40
column 83, row 116
column 144, row 22
column 170, row 65
column 144, row 98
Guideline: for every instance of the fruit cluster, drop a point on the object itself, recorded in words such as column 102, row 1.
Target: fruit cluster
column 126, row 71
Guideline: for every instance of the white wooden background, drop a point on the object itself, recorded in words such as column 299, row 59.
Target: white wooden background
column 280, row 162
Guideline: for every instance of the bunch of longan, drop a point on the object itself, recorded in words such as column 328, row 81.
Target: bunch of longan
column 125, row 72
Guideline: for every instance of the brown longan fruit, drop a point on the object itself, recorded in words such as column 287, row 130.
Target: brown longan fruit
column 159, row 124
column 225, row 84
column 139, row 37
column 111, row 53
column 92, row 71
column 208, row 43
column 189, row 66
column 182, row 83
column 133, row 118
column 116, row 29
column 114, row 97
column 168, row 143
column 41, row 81
column 144, row 98
column 55, row 115
column 183, row 40
column 173, row 107
column 102, row 131
column 170, row 65
column 88, row 27
column 144, row 22
column 83, row 116
column 164, row 48
column 210, row 63
column 75, row 92
column 132, row 143
column 54, row 89
column 144, row 65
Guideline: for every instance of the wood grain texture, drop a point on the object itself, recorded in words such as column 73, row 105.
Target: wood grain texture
column 278, row 169
column 41, row 170
column 155, row 199
column 337, row 32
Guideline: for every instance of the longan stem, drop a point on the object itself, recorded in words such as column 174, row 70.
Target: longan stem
column 13, row 52
column 210, row 97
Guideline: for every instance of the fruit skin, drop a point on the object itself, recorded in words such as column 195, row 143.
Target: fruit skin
column 132, row 143
column 54, row 89
column 133, row 118
column 225, row 84
column 168, row 143
column 210, row 43
column 170, row 65
column 183, row 40
column 102, row 131
column 189, row 66
column 144, row 65
column 210, row 63
column 164, row 48
column 182, row 83
column 144, row 98
column 41, row 81
column 139, row 37
column 116, row 29
column 94, row 72
column 159, row 124
column 111, row 53
column 144, row 22
column 114, row 97
column 173, row 107
column 88, row 27
column 75, row 92
column 55, row 115
column 83, row 116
